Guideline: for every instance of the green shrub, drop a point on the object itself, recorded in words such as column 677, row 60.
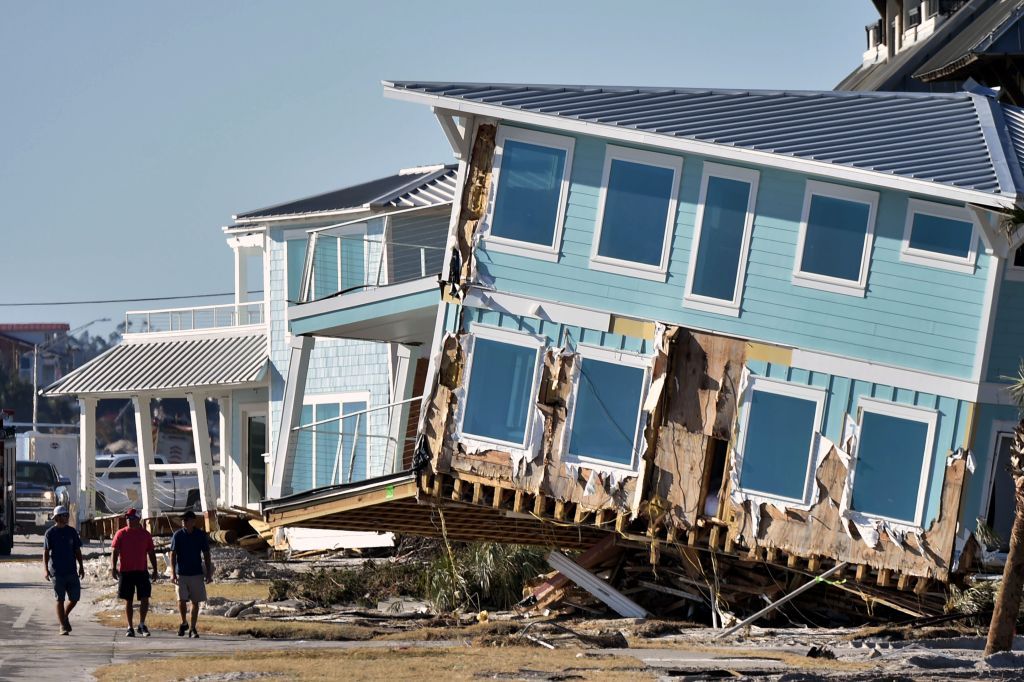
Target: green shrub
column 484, row 575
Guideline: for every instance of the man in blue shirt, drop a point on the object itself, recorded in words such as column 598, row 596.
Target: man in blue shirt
column 61, row 548
column 190, row 546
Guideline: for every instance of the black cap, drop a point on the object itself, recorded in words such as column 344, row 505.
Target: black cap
column 188, row 515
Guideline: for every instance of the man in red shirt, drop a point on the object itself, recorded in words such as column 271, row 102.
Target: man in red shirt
column 131, row 545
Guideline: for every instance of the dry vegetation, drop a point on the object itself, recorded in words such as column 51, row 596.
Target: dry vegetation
column 387, row 665
column 164, row 594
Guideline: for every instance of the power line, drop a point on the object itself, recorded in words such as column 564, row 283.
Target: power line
column 120, row 300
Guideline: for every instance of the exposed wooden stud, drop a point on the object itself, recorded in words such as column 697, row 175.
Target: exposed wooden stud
column 499, row 497
column 580, row 515
column 713, row 538
column 862, row 573
column 903, row 582
column 457, row 490
column 518, row 502
column 691, row 537
column 538, row 505
column 600, row 517
column 478, row 493
column 813, row 564
column 792, row 561
column 884, row 577
column 729, row 543
column 559, row 510
column 670, row 535
column 921, row 586
column 771, row 555
column 621, row 522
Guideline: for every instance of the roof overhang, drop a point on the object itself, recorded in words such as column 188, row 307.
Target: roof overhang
column 402, row 313
column 458, row 106
column 170, row 364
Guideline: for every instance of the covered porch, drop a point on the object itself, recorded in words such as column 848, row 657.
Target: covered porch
column 174, row 356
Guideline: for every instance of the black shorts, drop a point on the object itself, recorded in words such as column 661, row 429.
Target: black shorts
column 132, row 583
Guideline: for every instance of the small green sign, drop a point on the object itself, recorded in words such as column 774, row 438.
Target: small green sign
column 389, row 492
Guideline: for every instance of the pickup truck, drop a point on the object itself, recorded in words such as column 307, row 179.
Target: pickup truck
column 38, row 489
column 118, row 486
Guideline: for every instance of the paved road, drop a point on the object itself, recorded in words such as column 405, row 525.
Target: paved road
column 32, row 650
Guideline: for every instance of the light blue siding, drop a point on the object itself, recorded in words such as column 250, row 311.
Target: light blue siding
column 1008, row 333
column 912, row 316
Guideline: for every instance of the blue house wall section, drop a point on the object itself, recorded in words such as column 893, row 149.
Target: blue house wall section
column 842, row 392
column 1007, row 333
column 913, row 316
column 336, row 366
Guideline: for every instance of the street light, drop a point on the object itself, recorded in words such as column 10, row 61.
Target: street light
column 35, row 366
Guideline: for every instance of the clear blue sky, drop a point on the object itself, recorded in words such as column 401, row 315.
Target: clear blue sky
column 130, row 132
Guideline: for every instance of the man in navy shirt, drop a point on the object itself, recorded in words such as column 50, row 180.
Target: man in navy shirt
column 61, row 548
column 190, row 546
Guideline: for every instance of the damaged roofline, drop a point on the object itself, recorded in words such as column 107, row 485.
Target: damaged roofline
column 708, row 149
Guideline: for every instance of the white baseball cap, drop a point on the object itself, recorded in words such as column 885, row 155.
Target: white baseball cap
column 60, row 509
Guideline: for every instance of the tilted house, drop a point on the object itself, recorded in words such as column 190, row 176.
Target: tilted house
column 765, row 321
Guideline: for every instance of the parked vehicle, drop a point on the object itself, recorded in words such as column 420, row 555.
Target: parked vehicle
column 7, row 488
column 38, row 488
column 118, row 486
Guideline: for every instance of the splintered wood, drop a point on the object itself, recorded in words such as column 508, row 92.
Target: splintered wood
column 821, row 531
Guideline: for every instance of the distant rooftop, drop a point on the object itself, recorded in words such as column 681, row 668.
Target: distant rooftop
column 408, row 188
column 35, row 327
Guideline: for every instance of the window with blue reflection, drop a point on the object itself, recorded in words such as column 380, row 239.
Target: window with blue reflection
column 607, row 405
column 721, row 238
column 834, row 240
column 325, row 438
column 295, row 254
column 890, row 455
column 635, row 212
column 353, row 442
column 941, row 235
column 301, row 475
column 777, row 444
column 499, row 397
column 529, row 188
column 325, row 267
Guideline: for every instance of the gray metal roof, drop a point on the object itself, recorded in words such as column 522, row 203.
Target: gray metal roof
column 930, row 137
column 979, row 36
column 173, row 364
column 423, row 186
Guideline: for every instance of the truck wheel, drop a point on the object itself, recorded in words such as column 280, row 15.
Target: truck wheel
column 101, row 503
column 193, row 502
column 6, row 544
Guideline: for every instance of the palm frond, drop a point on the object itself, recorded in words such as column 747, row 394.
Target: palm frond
column 1012, row 221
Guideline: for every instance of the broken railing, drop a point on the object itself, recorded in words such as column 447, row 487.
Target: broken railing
column 337, row 263
column 349, row 442
column 195, row 318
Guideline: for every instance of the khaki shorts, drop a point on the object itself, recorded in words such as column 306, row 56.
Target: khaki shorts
column 191, row 588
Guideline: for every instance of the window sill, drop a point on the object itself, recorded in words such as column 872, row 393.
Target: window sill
column 939, row 261
column 620, row 267
column 762, row 497
column 600, row 465
column 830, row 284
column 524, row 249
column 1014, row 274
column 710, row 306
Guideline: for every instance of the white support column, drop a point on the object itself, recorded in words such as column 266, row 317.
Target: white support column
column 204, row 459
column 86, row 458
column 144, row 436
column 404, row 382
column 291, row 409
column 230, row 471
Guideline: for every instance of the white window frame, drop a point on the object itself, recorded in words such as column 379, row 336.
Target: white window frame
column 585, row 352
column 514, row 246
column 784, row 388
column 836, row 285
column 932, row 259
column 515, row 338
column 910, row 413
column 657, row 273
column 1000, row 429
column 339, row 399
column 706, row 303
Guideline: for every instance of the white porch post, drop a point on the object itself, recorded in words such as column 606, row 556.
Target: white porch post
column 291, row 409
column 86, row 458
column 204, row 459
column 144, row 436
column 404, row 380
column 241, row 282
column 230, row 472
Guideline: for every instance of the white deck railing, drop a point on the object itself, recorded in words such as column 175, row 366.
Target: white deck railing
column 192, row 319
